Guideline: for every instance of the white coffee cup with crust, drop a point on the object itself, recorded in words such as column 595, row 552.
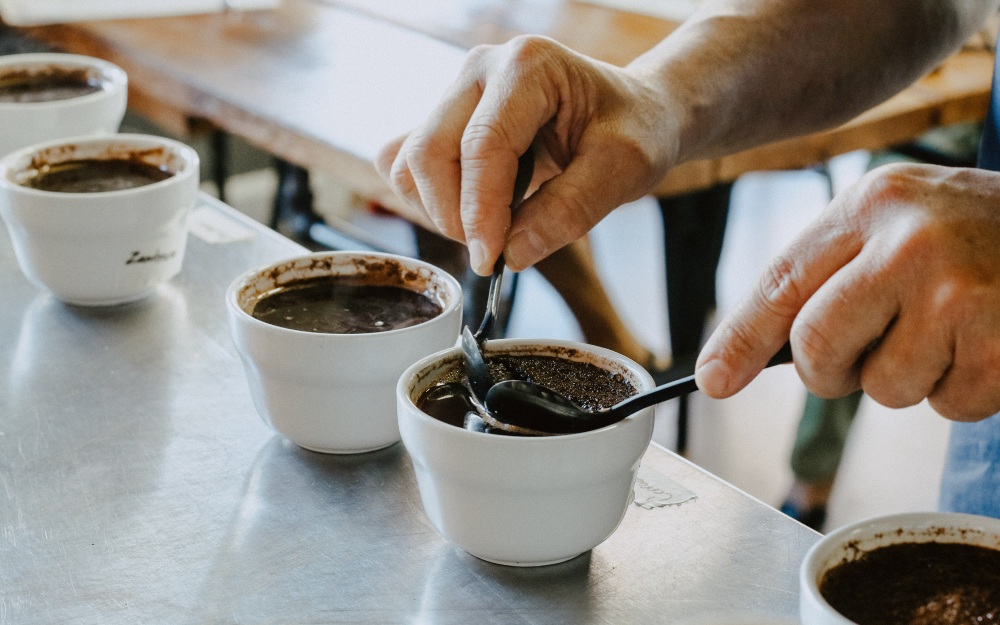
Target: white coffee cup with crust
column 100, row 248
column 335, row 392
column 27, row 121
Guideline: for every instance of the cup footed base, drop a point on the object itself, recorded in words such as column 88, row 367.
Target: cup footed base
column 345, row 452
column 99, row 302
column 526, row 564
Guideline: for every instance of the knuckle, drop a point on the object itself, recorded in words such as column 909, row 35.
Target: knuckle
column 818, row 360
column 890, row 183
column 477, row 136
column 740, row 341
column 887, row 380
column 960, row 408
column 482, row 143
column 778, row 288
column 888, row 391
column 400, row 178
column 476, row 57
column 826, row 387
column 963, row 396
column 425, row 149
column 956, row 301
column 477, row 53
column 526, row 50
column 812, row 341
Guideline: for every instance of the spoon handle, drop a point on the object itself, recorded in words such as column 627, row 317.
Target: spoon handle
column 525, row 171
column 675, row 389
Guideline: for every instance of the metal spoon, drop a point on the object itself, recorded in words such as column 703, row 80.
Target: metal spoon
column 532, row 406
column 475, row 364
column 445, row 401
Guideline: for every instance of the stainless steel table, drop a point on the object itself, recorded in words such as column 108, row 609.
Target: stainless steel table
column 138, row 485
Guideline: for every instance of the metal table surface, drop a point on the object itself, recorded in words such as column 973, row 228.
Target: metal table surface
column 138, row 485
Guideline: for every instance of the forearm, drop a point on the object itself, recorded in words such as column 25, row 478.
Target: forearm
column 745, row 72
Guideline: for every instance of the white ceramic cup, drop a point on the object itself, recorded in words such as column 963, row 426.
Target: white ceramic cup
column 28, row 123
column 335, row 393
column 848, row 542
column 104, row 248
column 524, row 501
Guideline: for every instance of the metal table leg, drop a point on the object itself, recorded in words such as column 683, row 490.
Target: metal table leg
column 694, row 225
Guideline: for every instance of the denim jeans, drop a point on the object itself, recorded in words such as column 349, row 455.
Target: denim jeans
column 971, row 481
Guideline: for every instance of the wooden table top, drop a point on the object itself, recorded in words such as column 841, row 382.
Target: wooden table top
column 326, row 84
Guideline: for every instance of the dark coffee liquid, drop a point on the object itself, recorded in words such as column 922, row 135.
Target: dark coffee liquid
column 588, row 385
column 47, row 85
column 95, row 175
column 917, row 584
column 342, row 305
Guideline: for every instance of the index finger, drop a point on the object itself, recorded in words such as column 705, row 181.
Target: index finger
column 514, row 106
column 761, row 323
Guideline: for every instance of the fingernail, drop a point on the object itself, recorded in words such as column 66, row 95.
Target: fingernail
column 524, row 249
column 713, row 378
column 477, row 256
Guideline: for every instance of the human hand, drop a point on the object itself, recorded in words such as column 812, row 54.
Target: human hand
column 601, row 136
column 894, row 289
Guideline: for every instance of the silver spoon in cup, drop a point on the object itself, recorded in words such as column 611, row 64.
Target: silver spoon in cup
column 476, row 369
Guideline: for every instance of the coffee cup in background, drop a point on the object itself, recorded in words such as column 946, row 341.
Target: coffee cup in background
column 325, row 378
column 100, row 220
column 48, row 96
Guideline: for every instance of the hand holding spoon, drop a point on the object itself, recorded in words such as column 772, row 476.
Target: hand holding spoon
column 533, row 407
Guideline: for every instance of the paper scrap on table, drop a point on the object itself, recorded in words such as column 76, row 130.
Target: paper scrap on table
column 671, row 10
column 654, row 490
column 214, row 227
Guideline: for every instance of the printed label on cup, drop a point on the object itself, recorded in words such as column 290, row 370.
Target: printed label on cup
column 138, row 258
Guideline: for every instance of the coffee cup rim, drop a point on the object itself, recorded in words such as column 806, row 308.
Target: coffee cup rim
column 189, row 157
column 403, row 391
column 233, row 290
column 113, row 74
column 890, row 529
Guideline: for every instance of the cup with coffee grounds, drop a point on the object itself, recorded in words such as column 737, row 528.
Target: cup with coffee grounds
column 99, row 221
column 49, row 96
column 515, row 499
column 909, row 568
column 324, row 338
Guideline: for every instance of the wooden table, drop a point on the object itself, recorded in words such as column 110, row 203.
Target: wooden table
column 325, row 84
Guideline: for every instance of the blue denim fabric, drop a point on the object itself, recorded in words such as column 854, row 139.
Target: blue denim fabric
column 971, row 481
column 989, row 148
